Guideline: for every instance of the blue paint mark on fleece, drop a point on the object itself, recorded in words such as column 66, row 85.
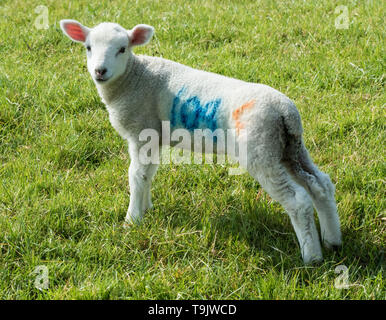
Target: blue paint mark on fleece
column 191, row 114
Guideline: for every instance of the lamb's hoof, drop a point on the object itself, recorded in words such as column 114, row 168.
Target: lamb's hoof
column 333, row 246
column 149, row 207
column 127, row 224
column 336, row 248
column 132, row 219
column 313, row 260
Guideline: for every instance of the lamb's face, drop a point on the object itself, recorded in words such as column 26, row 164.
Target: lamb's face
column 108, row 52
column 108, row 46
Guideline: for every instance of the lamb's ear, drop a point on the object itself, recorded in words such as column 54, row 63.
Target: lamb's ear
column 74, row 30
column 140, row 34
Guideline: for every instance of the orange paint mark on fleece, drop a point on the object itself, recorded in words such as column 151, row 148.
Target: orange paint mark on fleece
column 238, row 112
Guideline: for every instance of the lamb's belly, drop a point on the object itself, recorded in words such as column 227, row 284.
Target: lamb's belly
column 202, row 141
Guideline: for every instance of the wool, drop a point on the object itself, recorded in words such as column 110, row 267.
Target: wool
column 142, row 92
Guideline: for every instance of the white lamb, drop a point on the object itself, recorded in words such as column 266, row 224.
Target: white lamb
column 140, row 92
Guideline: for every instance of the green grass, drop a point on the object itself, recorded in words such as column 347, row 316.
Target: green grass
column 63, row 168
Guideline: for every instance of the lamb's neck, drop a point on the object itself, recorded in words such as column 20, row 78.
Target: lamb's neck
column 113, row 91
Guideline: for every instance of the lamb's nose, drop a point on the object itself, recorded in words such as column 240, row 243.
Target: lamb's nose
column 100, row 72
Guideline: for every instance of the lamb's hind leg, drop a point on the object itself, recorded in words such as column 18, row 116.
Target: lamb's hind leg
column 321, row 190
column 296, row 201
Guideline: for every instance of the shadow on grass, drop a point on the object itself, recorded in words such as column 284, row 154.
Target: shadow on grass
column 270, row 233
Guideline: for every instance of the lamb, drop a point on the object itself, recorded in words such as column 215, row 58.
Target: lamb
column 142, row 92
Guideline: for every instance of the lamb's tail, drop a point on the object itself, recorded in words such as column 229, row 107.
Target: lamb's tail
column 297, row 159
column 293, row 131
column 291, row 119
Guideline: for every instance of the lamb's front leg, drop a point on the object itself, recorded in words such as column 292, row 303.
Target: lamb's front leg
column 140, row 176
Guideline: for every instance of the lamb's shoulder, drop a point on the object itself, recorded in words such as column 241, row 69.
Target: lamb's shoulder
column 120, row 121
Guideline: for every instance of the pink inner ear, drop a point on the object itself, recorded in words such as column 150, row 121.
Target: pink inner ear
column 139, row 36
column 75, row 31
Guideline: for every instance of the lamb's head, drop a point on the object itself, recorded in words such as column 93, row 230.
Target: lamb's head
column 108, row 46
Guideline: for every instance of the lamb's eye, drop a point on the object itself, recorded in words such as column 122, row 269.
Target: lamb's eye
column 88, row 48
column 122, row 50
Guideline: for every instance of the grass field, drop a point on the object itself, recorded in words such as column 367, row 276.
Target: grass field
column 63, row 168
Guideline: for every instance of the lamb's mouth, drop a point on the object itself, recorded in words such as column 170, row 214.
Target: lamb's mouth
column 101, row 79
